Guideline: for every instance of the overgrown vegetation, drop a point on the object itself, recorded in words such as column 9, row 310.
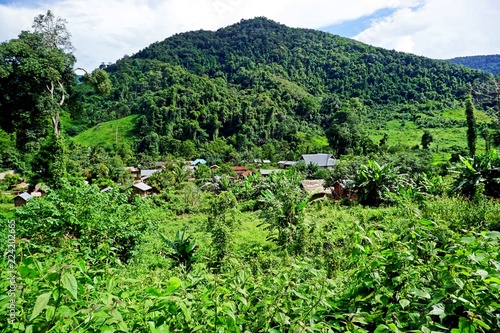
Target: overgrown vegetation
column 416, row 265
column 410, row 243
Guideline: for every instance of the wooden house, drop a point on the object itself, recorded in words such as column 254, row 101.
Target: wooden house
column 159, row 165
column 36, row 190
column 341, row 190
column 141, row 189
column 316, row 188
column 136, row 172
column 241, row 171
column 21, row 199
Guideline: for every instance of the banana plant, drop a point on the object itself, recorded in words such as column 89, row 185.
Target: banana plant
column 482, row 169
column 375, row 181
column 183, row 249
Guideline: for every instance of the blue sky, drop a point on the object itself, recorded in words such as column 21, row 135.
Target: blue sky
column 352, row 28
column 106, row 30
column 29, row 3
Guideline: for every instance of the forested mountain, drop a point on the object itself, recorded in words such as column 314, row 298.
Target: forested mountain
column 386, row 239
column 258, row 81
column 488, row 63
column 251, row 89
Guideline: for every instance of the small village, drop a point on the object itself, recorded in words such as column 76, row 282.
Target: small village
column 316, row 188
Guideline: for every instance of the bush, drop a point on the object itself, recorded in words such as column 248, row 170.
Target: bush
column 87, row 216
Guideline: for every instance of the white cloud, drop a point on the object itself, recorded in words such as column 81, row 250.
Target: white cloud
column 106, row 30
column 405, row 44
column 440, row 29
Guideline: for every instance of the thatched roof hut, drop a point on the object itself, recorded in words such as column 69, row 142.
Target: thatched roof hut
column 316, row 188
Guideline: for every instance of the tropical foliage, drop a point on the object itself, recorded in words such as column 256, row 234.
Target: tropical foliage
column 407, row 242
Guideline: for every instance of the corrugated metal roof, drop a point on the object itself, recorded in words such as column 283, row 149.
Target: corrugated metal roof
column 142, row 186
column 132, row 169
column 25, row 195
column 147, row 173
column 321, row 160
column 266, row 172
column 198, row 161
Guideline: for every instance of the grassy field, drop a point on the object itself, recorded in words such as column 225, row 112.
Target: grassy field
column 459, row 114
column 7, row 209
column 105, row 133
column 408, row 134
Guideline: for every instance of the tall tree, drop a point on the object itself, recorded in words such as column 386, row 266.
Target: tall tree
column 471, row 126
column 57, row 39
column 36, row 77
column 54, row 32
column 427, row 138
column 36, row 74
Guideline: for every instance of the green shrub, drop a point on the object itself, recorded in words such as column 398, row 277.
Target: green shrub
column 86, row 215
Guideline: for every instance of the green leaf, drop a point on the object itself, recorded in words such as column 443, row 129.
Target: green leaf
column 185, row 311
column 465, row 326
column 65, row 312
column 107, row 329
column 467, row 240
column 437, row 310
column 49, row 312
column 27, row 273
column 40, row 304
column 481, row 323
column 173, row 284
column 467, row 164
column 492, row 280
column 459, row 283
column 69, row 283
column 154, row 291
column 421, row 293
column 382, row 329
column 404, row 303
column 482, row 273
column 492, row 234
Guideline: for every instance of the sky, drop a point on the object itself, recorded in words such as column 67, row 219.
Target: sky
column 106, row 30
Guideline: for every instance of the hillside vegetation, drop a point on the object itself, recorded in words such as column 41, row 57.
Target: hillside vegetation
column 380, row 238
column 106, row 133
column 487, row 63
column 259, row 82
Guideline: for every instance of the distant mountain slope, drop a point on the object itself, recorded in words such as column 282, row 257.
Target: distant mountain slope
column 487, row 63
column 258, row 81
column 318, row 61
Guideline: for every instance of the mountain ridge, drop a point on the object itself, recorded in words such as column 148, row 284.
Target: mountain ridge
column 488, row 63
column 258, row 81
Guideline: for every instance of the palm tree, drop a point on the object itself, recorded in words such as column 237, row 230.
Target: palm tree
column 374, row 182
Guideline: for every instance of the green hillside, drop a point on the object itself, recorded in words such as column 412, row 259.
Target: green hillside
column 487, row 63
column 105, row 133
column 447, row 127
column 259, row 89
column 258, row 82
column 389, row 235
